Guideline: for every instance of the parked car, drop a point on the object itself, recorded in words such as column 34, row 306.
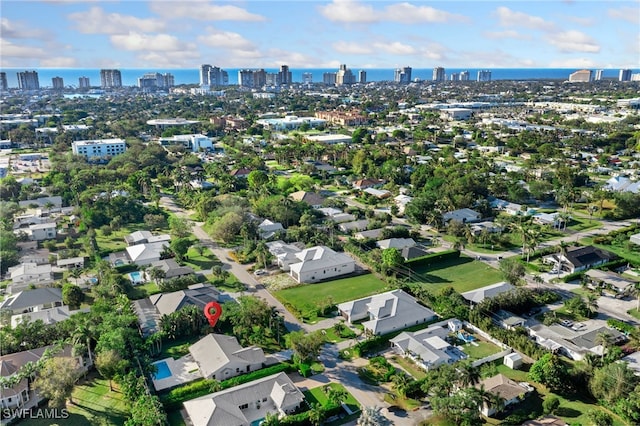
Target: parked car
column 579, row 326
column 566, row 323
column 259, row 272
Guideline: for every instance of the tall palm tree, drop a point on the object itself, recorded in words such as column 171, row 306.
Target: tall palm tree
column 468, row 375
column 372, row 416
column 401, row 382
column 605, row 339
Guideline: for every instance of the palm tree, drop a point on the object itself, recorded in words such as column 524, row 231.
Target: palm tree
column 592, row 302
column 316, row 414
column 605, row 339
column 401, row 382
column 371, row 416
column 468, row 375
column 271, row 419
column 337, row 395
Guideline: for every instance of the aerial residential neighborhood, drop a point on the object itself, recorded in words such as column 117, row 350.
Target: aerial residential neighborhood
column 419, row 252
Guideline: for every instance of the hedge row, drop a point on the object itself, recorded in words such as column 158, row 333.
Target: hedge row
column 433, row 258
column 198, row 388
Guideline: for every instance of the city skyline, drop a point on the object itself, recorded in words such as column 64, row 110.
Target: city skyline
column 320, row 34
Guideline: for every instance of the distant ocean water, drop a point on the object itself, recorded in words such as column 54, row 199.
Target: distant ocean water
column 192, row 76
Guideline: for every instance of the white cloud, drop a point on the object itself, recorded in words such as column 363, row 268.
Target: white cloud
column 351, row 48
column 353, row 11
column 204, row 11
column 573, row 41
column 394, row 48
column 12, row 50
column 97, row 21
column 585, row 22
column 59, row 62
column 573, row 63
column 175, row 59
column 510, row 18
column 349, row 11
column 629, row 14
column 14, row 29
column 410, row 14
column 150, row 42
column 225, row 39
column 512, row 34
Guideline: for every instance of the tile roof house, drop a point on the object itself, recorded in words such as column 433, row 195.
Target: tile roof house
column 462, row 216
column 246, row 404
column 478, row 295
column 151, row 309
column 171, row 269
column 320, row 263
column 367, row 183
column 34, row 300
column 580, row 258
column 512, row 391
column 428, row 348
column 386, row 312
column 221, row 357
column 313, row 199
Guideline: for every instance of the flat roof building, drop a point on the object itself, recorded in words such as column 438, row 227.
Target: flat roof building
column 99, row 148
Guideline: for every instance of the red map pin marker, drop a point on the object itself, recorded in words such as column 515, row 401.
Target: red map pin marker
column 212, row 311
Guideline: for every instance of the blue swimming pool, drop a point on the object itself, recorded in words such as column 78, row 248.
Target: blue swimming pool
column 257, row 422
column 163, row 370
column 135, row 277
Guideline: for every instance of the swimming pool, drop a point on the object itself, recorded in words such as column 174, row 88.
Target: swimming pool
column 163, row 370
column 257, row 422
column 135, row 277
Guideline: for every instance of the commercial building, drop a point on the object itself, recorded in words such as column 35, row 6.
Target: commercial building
column 624, row 75
column 99, row 148
column 307, row 78
column 582, row 76
column 28, row 80
column 193, row 142
column 155, row 80
column 464, row 76
column 252, row 78
column 110, row 78
column 402, row 75
column 598, row 76
column 83, row 83
column 329, row 78
column 484, row 75
column 344, row 76
column 438, row 74
column 213, row 76
column 284, row 76
column 57, row 83
column 362, row 76
column 4, row 85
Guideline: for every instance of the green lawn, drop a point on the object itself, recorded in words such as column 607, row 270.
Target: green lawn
column 463, row 274
column 482, row 350
column 115, row 241
column 177, row 348
column 410, row 367
column 305, row 299
column 583, row 224
column 141, row 291
column 198, row 262
column 94, row 403
column 634, row 313
column 318, row 396
column 330, row 335
column 175, row 418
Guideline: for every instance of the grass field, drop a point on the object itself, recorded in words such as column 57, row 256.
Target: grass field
column 306, row 298
column 410, row 367
column 93, row 404
column 482, row 350
column 318, row 396
column 199, row 262
column 463, row 274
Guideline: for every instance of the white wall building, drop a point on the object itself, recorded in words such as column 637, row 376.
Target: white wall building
column 99, row 148
column 320, row 263
column 194, row 142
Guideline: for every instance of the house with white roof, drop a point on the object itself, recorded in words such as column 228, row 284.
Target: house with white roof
column 622, row 184
column 40, row 231
column 246, row 404
column 478, row 295
column 401, row 201
column 284, row 253
column 386, row 312
column 398, row 243
column 31, row 273
column 320, row 263
column 635, row 239
column 221, row 357
column 142, row 237
column 146, row 253
column 428, row 348
column 268, row 229
column 462, row 216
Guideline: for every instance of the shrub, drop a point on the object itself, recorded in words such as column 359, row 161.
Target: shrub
column 430, row 259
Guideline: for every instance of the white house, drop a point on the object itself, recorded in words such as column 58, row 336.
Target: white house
column 246, row 404
column 147, row 253
column 462, row 216
column 221, row 357
column 34, row 300
column 386, row 312
column 284, row 254
column 193, row 142
column 397, row 243
column 320, row 263
column 428, row 348
column 478, row 295
column 268, row 229
column 31, row 273
column 40, row 231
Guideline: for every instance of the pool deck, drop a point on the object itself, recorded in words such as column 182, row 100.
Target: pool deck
column 180, row 372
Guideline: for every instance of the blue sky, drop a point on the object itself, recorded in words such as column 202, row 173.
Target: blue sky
column 320, row 34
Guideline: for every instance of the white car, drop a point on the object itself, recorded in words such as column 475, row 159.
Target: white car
column 566, row 323
column 579, row 326
column 259, row 272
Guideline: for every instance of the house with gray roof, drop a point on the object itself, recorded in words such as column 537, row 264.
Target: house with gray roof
column 478, row 295
column 170, row 268
column 284, row 253
column 320, row 263
column 31, row 273
column 143, row 237
column 246, row 404
column 268, row 229
column 462, row 216
column 398, row 243
column 511, row 391
column 428, row 348
column 34, row 300
column 146, row 253
column 355, row 226
column 221, row 357
column 616, row 282
column 386, row 312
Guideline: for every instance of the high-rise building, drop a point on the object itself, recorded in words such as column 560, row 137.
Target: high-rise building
column 213, row 76
column 402, row 75
column 4, row 85
column 582, row 76
column 438, row 74
column 329, row 78
column 484, row 75
column 598, row 76
column 28, row 80
column 252, row 78
column 624, row 75
column 455, row 76
column 464, row 76
column 110, row 79
column 57, row 83
column 362, row 76
column 307, row 78
column 155, row 80
column 284, row 76
column 344, row 76
column 83, row 83
column 635, row 76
